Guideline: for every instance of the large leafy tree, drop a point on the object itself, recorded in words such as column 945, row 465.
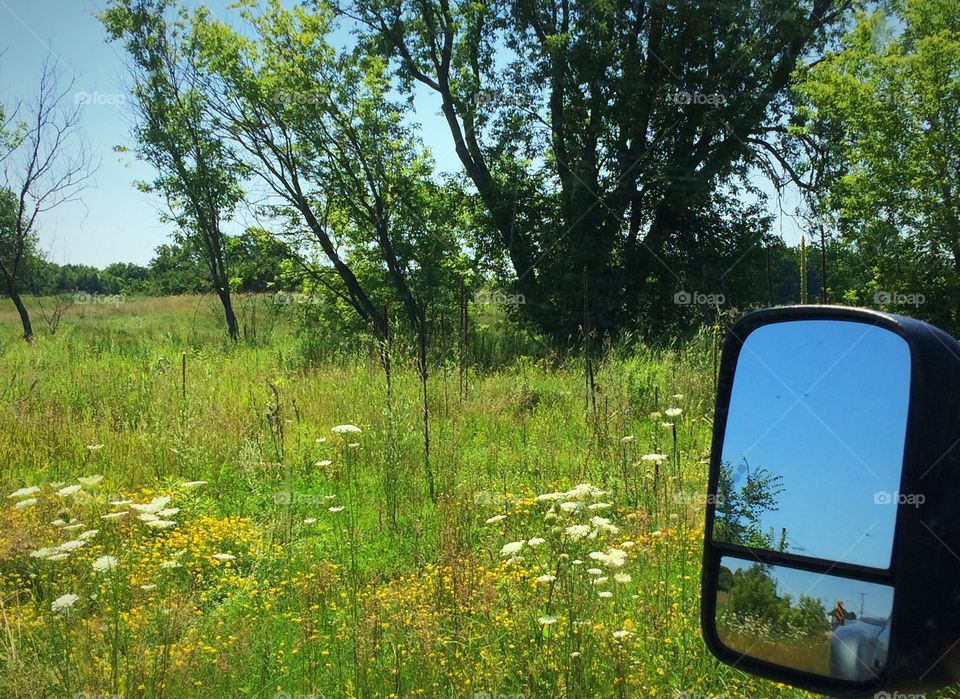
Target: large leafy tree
column 887, row 105
column 339, row 163
column 599, row 135
column 173, row 132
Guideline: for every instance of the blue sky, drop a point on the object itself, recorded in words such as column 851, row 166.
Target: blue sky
column 837, row 446
column 115, row 222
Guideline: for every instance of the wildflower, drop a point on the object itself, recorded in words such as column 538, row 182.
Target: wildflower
column 513, row 548
column 604, row 594
column 584, row 490
column 656, row 533
column 569, row 507
column 24, row 492
column 655, row 415
column 148, row 586
column 89, row 534
column 549, row 497
column 310, row 520
column 673, row 412
column 546, row 620
column 153, row 506
column 629, row 438
column 64, row 602
column 622, row 633
column 599, row 581
column 495, row 519
column 115, row 515
column 602, row 524
column 325, row 462
column 147, row 517
column 120, row 503
column 575, row 654
column 68, row 491
column 161, row 524
column 23, row 504
column 90, row 481
column 346, row 429
column 192, row 484
column 577, row 531
column 600, row 506
column 170, row 564
column 594, row 571
column 94, row 447
column 58, row 523
column 622, row 578
column 576, row 562
column 224, row 556
column 627, row 544
column 659, row 458
column 56, row 484
column 104, row 564
column 71, row 545
column 73, row 527
column 320, row 440
column 168, row 512
column 535, row 541
column 546, row 578
column 43, row 553
column 353, row 445
column 336, row 508
column 58, row 557
column 666, row 425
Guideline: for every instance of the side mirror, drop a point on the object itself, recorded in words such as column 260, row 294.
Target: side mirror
column 832, row 549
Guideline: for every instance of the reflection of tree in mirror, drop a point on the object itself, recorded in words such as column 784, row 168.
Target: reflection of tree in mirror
column 751, row 614
column 740, row 505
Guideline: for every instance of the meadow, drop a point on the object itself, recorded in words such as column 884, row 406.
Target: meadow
column 185, row 517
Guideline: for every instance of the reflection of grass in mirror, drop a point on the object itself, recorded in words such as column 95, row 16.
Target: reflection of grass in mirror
column 753, row 619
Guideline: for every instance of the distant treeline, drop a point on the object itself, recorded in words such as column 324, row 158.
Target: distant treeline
column 258, row 262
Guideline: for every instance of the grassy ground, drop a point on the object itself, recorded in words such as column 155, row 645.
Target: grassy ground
column 314, row 563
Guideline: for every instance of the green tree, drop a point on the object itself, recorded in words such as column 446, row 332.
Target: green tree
column 599, row 137
column 740, row 505
column 887, row 105
column 196, row 173
column 45, row 163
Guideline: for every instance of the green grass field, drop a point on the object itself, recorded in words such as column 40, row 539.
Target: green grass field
column 299, row 561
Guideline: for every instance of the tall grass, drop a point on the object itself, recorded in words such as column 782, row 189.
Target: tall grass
column 314, row 562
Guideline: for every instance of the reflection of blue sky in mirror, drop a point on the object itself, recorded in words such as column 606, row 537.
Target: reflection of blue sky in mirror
column 837, row 446
column 877, row 600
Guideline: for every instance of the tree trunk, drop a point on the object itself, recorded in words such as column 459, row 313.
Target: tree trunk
column 224, row 294
column 22, row 310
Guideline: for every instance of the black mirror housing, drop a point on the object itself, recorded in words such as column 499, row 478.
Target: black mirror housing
column 924, row 571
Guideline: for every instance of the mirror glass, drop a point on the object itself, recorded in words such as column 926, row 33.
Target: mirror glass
column 813, row 447
column 825, row 624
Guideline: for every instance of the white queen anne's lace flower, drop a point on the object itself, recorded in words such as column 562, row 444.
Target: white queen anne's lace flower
column 64, row 602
